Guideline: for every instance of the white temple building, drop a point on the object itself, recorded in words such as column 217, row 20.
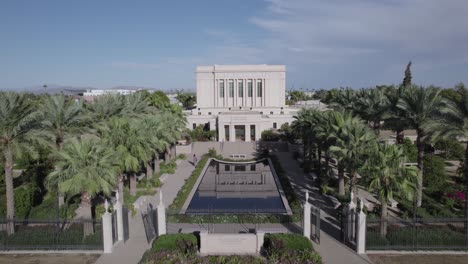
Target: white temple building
column 240, row 101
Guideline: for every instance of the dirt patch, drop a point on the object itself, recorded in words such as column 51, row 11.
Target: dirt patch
column 418, row 259
column 48, row 258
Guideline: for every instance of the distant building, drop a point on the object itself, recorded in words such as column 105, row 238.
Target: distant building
column 89, row 95
column 240, row 101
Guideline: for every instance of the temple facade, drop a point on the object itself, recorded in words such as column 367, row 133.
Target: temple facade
column 240, row 101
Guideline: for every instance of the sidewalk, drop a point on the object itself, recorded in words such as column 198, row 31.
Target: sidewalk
column 331, row 250
column 132, row 251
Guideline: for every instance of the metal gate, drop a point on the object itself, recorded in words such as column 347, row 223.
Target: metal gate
column 315, row 224
column 126, row 227
column 149, row 218
column 348, row 226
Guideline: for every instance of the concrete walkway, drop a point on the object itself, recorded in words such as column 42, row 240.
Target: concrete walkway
column 331, row 250
column 133, row 249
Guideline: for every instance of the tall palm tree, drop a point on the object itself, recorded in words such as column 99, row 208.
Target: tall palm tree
column 453, row 125
column 395, row 117
column 115, row 135
column 384, row 174
column 61, row 118
column 352, row 138
column 345, row 100
column 373, row 105
column 104, row 107
column 303, row 126
column 84, row 167
column 17, row 122
column 157, row 136
column 420, row 105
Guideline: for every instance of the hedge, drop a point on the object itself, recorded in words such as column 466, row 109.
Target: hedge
column 173, row 242
column 289, row 248
column 188, row 185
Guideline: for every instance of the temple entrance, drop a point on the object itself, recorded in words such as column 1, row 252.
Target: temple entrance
column 240, row 132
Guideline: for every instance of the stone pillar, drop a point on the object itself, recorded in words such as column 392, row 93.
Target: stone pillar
column 260, row 239
column 119, row 210
column 349, row 220
column 161, row 215
column 306, row 224
column 247, row 133
column 254, row 91
column 107, row 230
column 361, row 231
column 232, row 133
column 203, row 239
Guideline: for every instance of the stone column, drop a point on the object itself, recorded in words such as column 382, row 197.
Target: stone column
column 247, row 133
column 232, row 133
column 221, row 132
column 107, row 230
column 254, row 91
column 306, row 224
column 118, row 208
column 351, row 214
column 216, row 95
column 264, row 92
column 161, row 209
column 361, row 231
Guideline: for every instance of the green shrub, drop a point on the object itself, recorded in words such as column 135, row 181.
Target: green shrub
column 289, row 248
column 46, row 210
column 410, row 150
column 24, row 196
column 184, row 243
column 451, row 149
column 182, row 156
column 212, row 153
column 269, row 135
column 153, row 182
column 168, row 167
column 435, row 177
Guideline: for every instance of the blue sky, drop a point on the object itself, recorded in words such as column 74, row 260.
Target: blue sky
column 157, row 44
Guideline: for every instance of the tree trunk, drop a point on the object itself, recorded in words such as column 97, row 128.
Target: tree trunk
column 121, row 188
column 156, row 163
column 88, row 228
column 400, row 136
column 149, row 170
column 341, row 182
column 319, row 151
column 327, row 161
column 383, row 218
column 61, row 199
column 10, row 195
column 352, row 184
column 377, row 127
column 306, row 166
column 420, row 146
column 133, row 184
column 167, row 157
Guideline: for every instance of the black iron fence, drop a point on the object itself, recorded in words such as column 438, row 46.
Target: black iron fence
column 417, row 234
column 63, row 234
column 233, row 222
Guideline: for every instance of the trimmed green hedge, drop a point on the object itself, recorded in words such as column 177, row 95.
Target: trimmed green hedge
column 173, row 241
column 189, row 183
column 289, row 248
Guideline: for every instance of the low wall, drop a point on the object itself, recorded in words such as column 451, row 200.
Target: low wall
column 226, row 244
column 183, row 149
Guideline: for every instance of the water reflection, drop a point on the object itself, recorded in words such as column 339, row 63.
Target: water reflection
column 237, row 188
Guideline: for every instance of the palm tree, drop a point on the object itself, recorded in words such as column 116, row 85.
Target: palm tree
column 157, row 136
column 453, row 125
column 104, row 107
column 395, row 117
column 85, row 167
column 303, row 126
column 345, row 100
column 420, row 105
column 373, row 105
column 384, row 173
column 115, row 134
column 62, row 118
column 17, row 121
column 352, row 138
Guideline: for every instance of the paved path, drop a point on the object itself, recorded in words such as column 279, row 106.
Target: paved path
column 331, row 250
column 132, row 251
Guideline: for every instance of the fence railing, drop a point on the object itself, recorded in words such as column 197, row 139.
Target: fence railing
column 233, row 222
column 30, row 234
column 417, row 234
